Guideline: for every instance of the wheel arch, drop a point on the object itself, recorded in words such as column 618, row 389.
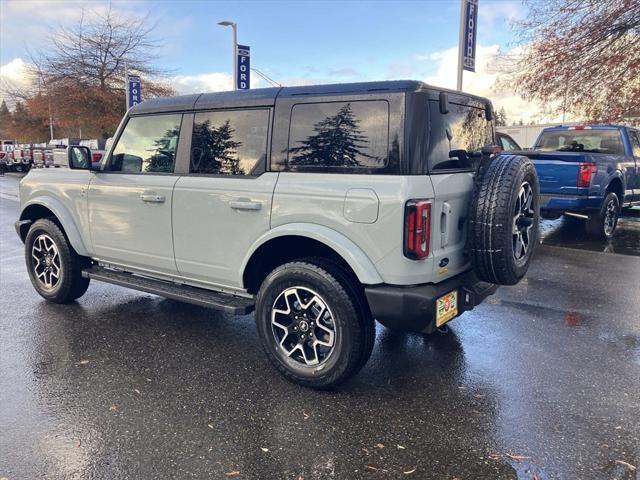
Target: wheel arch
column 44, row 207
column 616, row 186
column 295, row 241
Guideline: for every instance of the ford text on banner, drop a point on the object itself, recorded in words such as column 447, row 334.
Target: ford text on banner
column 470, row 28
column 243, row 65
column 134, row 91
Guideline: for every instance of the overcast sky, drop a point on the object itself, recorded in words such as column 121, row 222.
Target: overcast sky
column 294, row 42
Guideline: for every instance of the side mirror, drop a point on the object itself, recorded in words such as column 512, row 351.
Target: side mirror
column 79, row 157
column 461, row 155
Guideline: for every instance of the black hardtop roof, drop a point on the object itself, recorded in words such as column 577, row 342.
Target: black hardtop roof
column 267, row 96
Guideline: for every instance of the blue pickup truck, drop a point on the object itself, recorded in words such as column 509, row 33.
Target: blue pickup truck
column 590, row 172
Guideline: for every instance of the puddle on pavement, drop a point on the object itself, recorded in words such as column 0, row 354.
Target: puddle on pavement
column 570, row 232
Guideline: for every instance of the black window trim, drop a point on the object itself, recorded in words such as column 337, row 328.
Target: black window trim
column 121, row 131
column 265, row 167
column 340, row 170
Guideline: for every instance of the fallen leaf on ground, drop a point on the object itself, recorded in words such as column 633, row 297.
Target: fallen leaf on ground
column 371, row 467
column 137, row 391
column 628, row 465
column 516, row 457
column 210, row 426
column 401, row 447
column 409, row 472
column 365, row 450
column 305, row 415
column 235, row 473
column 79, row 443
column 83, row 362
column 379, row 445
column 264, row 449
column 113, row 408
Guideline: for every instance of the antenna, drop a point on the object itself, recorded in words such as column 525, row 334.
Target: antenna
column 265, row 77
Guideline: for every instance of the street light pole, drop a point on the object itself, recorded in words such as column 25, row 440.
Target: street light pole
column 234, row 52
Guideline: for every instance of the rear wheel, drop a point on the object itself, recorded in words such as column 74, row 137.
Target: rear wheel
column 312, row 326
column 55, row 269
column 603, row 224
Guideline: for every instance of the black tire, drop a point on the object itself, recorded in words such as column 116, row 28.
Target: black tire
column 69, row 284
column 347, row 312
column 498, row 209
column 602, row 224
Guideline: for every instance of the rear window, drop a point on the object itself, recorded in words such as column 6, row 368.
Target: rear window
column 464, row 127
column 593, row 141
column 338, row 136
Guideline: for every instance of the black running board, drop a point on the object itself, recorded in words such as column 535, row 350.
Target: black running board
column 199, row 296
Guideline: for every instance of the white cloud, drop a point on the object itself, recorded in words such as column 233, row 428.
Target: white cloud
column 13, row 76
column 203, row 82
column 483, row 82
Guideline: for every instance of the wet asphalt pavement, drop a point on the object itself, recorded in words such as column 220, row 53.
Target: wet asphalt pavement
column 540, row 382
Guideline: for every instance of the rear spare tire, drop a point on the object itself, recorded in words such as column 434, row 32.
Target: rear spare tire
column 503, row 223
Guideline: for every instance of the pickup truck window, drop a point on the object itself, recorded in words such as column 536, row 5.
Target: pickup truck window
column 635, row 142
column 229, row 142
column 147, row 145
column 339, row 135
column 588, row 140
column 463, row 127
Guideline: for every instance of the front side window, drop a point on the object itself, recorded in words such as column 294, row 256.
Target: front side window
column 338, row 135
column 583, row 140
column 230, row 142
column 147, row 145
column 463, row 127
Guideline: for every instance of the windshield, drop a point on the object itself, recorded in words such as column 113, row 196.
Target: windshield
column 594, row 141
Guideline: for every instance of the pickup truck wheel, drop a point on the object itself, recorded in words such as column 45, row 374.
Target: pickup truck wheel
column 603, row 224
column 504, row 217
column 311, row 324
column 54, row 267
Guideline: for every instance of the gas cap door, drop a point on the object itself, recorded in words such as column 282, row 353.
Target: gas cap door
column 361, row 205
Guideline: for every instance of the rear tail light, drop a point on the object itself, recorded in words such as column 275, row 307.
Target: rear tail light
column 585, row 173
column 417, row 229
column 96, row 157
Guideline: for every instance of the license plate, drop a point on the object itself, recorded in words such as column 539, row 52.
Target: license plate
column 446, row 308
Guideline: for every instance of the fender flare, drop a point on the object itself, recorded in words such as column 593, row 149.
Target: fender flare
column 349, row 251
column 65, row 219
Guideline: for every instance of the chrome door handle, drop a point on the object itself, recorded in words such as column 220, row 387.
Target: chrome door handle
column 152, row 198
column 242, row 204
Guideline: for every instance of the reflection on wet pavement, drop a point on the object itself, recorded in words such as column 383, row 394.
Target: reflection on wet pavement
column 570, row 232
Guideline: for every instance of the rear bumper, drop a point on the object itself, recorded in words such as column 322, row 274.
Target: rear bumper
column 413, row 308
column 569, row 202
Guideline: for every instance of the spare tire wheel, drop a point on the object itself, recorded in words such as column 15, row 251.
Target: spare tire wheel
column 503, row 220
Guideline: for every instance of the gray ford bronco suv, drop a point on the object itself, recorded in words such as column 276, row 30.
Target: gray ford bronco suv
column 323, row 208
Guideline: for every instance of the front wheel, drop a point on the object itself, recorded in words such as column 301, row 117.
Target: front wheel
column 55, row 269
column 603, row 224
column 313, row 326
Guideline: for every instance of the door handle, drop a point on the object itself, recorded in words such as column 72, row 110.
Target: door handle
column 152, row 198
column 245, row 204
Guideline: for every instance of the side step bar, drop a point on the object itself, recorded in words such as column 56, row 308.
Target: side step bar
column 198, row 296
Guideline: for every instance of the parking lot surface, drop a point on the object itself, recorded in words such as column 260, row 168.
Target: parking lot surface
column 542, row 381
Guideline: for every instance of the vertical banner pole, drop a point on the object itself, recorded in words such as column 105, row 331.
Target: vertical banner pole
column 235, row 56
column 461, row 45
column 126, row 85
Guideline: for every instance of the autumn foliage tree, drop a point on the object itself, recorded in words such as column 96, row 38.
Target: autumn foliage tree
column 581, row 56
column 79, row 80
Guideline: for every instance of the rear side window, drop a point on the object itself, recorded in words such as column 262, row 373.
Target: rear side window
column 230, row 142
column 635, row 142
column 586, row 140
column 147, row 145
column 339, row 136
column 464, row 127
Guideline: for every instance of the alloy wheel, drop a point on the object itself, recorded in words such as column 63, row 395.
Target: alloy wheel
column 523, row 219
column 610, row 217
column 303, row 326
column 46, row 266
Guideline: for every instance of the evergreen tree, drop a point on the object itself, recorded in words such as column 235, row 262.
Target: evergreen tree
column 338, row 142
column 214, row 150
column 163, row 154
column 5, row 121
